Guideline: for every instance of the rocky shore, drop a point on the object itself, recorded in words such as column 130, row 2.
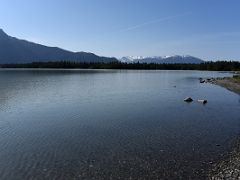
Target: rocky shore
column 230, row 83
column 229, row 167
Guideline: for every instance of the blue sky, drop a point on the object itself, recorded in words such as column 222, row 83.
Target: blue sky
column 209, row 29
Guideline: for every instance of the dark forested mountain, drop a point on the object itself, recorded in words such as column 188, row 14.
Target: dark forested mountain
column 163, row 60
column 13, row 50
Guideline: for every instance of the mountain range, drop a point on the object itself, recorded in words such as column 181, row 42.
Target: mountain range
column 14, row 50
column 162, row 59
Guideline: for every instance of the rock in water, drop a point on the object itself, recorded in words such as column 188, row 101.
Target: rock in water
column 204, row 101
column 188, row 99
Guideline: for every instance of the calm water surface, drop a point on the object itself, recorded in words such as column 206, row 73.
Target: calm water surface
column 112, row 124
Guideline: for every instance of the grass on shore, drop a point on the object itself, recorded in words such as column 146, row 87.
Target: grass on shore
column 236, row 77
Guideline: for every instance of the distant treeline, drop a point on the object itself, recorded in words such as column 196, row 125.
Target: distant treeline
column 210, row 66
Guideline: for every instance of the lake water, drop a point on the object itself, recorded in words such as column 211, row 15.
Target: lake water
column 112, row 124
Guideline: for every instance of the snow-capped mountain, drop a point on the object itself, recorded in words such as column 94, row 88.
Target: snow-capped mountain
column 162, row 59
column 131, row 58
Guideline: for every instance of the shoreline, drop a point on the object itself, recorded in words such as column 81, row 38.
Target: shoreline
column 230, row 83
column 229, row 166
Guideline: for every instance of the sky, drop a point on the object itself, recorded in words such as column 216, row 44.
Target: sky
column 208, row 29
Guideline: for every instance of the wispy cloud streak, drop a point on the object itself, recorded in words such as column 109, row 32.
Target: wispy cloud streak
column 163, row 19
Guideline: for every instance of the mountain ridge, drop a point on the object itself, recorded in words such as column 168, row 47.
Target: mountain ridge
column 176, row 59
column 14, row 50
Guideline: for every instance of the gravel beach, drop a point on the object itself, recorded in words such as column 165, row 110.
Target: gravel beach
column 232, row 84
column 229, row 167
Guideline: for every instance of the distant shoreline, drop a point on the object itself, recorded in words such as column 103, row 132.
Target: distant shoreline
column 206, row 66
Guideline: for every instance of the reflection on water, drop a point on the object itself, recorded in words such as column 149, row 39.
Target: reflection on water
column 97, row 124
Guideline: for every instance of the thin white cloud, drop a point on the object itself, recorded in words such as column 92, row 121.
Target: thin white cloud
column 163, row 19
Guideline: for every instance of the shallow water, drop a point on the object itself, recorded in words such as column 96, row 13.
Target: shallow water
column 103, row 124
